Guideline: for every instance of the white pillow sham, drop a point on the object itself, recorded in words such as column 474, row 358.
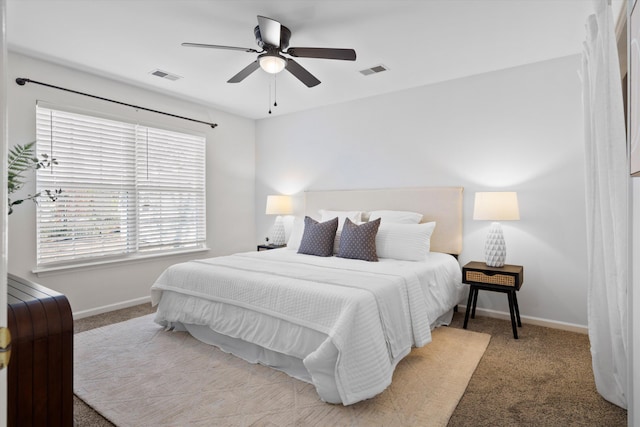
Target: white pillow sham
column 396, row 217
column 296, row 234
column 408, row 242
column 354, row 216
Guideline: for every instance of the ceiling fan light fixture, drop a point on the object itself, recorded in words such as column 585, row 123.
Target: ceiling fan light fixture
column 272, row 63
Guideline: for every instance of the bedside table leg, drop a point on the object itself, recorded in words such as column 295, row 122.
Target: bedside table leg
column 515, row 304
column 469, row 302
column 513, row 315
column 475, row 301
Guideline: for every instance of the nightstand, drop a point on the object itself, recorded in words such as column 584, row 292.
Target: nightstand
column 267, row 247
column 507, row 279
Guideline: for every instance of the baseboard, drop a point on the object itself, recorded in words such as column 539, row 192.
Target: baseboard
column 110, row 307
column 529, row 320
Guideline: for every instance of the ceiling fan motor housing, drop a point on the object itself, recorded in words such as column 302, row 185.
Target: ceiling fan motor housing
column 285, row 35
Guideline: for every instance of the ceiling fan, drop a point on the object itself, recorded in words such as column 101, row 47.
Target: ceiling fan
column 273, row 39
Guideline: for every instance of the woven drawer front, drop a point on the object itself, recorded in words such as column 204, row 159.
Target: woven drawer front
column 496, row 279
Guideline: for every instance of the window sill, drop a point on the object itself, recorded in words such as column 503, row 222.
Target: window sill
column 46, row 271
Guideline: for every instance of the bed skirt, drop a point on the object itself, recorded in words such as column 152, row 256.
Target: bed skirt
column 323, row 368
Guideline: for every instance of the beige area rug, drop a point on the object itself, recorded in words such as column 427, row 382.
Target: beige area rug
column 136, row 374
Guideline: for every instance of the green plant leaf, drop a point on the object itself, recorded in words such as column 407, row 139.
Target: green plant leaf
column 21, row 159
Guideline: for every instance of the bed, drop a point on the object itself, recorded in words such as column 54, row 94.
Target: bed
column 339, row 323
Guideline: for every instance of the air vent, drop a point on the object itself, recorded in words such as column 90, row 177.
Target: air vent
column 374, row 70
column 165, row 75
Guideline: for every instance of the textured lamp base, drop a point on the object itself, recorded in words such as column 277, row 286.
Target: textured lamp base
column 495, row 250
column 277, row 232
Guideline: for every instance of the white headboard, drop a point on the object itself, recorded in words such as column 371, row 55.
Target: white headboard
column 440, row 204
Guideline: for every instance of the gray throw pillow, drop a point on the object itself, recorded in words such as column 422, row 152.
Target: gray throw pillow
column 318, row 237
column 359, row 241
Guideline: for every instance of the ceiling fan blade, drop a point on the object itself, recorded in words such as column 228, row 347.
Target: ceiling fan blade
column 325, row 53
column 269, row 30
column 301, row 73
column 245, row 72
column 215, row 46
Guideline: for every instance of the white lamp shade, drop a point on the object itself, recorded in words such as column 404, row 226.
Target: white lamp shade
column 272, row 64
column 279, row 205
column 496, row 206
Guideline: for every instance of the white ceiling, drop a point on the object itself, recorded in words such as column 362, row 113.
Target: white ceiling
column 421, row 42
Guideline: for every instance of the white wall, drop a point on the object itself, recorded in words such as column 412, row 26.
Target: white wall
column 517, row 129
column 230, row 181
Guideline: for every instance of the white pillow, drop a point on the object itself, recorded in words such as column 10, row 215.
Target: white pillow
column 326, row 215
column 354, row 216
column 296, row 234
column 396, row 217
column 409, row 242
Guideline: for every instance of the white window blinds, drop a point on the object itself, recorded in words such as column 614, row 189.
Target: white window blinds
column 126, row 189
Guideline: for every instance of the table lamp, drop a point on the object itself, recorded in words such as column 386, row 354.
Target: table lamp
column 278, row 205
column 496, row 206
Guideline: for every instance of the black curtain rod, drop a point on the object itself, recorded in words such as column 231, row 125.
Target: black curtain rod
column 21, row 81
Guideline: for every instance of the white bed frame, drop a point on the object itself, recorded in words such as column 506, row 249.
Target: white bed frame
column 440, row 204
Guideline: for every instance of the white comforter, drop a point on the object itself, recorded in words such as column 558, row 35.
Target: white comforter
column 371, row 314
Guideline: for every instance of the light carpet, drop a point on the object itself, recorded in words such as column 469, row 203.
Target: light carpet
column 136, row 374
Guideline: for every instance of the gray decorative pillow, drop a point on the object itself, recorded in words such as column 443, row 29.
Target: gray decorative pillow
column 318, row 237
column 359, row 241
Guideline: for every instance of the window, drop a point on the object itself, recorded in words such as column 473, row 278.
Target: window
column 127, row 190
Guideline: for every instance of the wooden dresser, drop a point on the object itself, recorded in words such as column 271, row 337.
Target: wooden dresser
column 40, row 372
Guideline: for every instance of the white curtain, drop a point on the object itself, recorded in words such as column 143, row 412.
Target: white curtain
column 607, row 179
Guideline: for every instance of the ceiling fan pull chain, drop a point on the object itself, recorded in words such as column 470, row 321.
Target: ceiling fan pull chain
column 275, row 90
column 269, row 98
